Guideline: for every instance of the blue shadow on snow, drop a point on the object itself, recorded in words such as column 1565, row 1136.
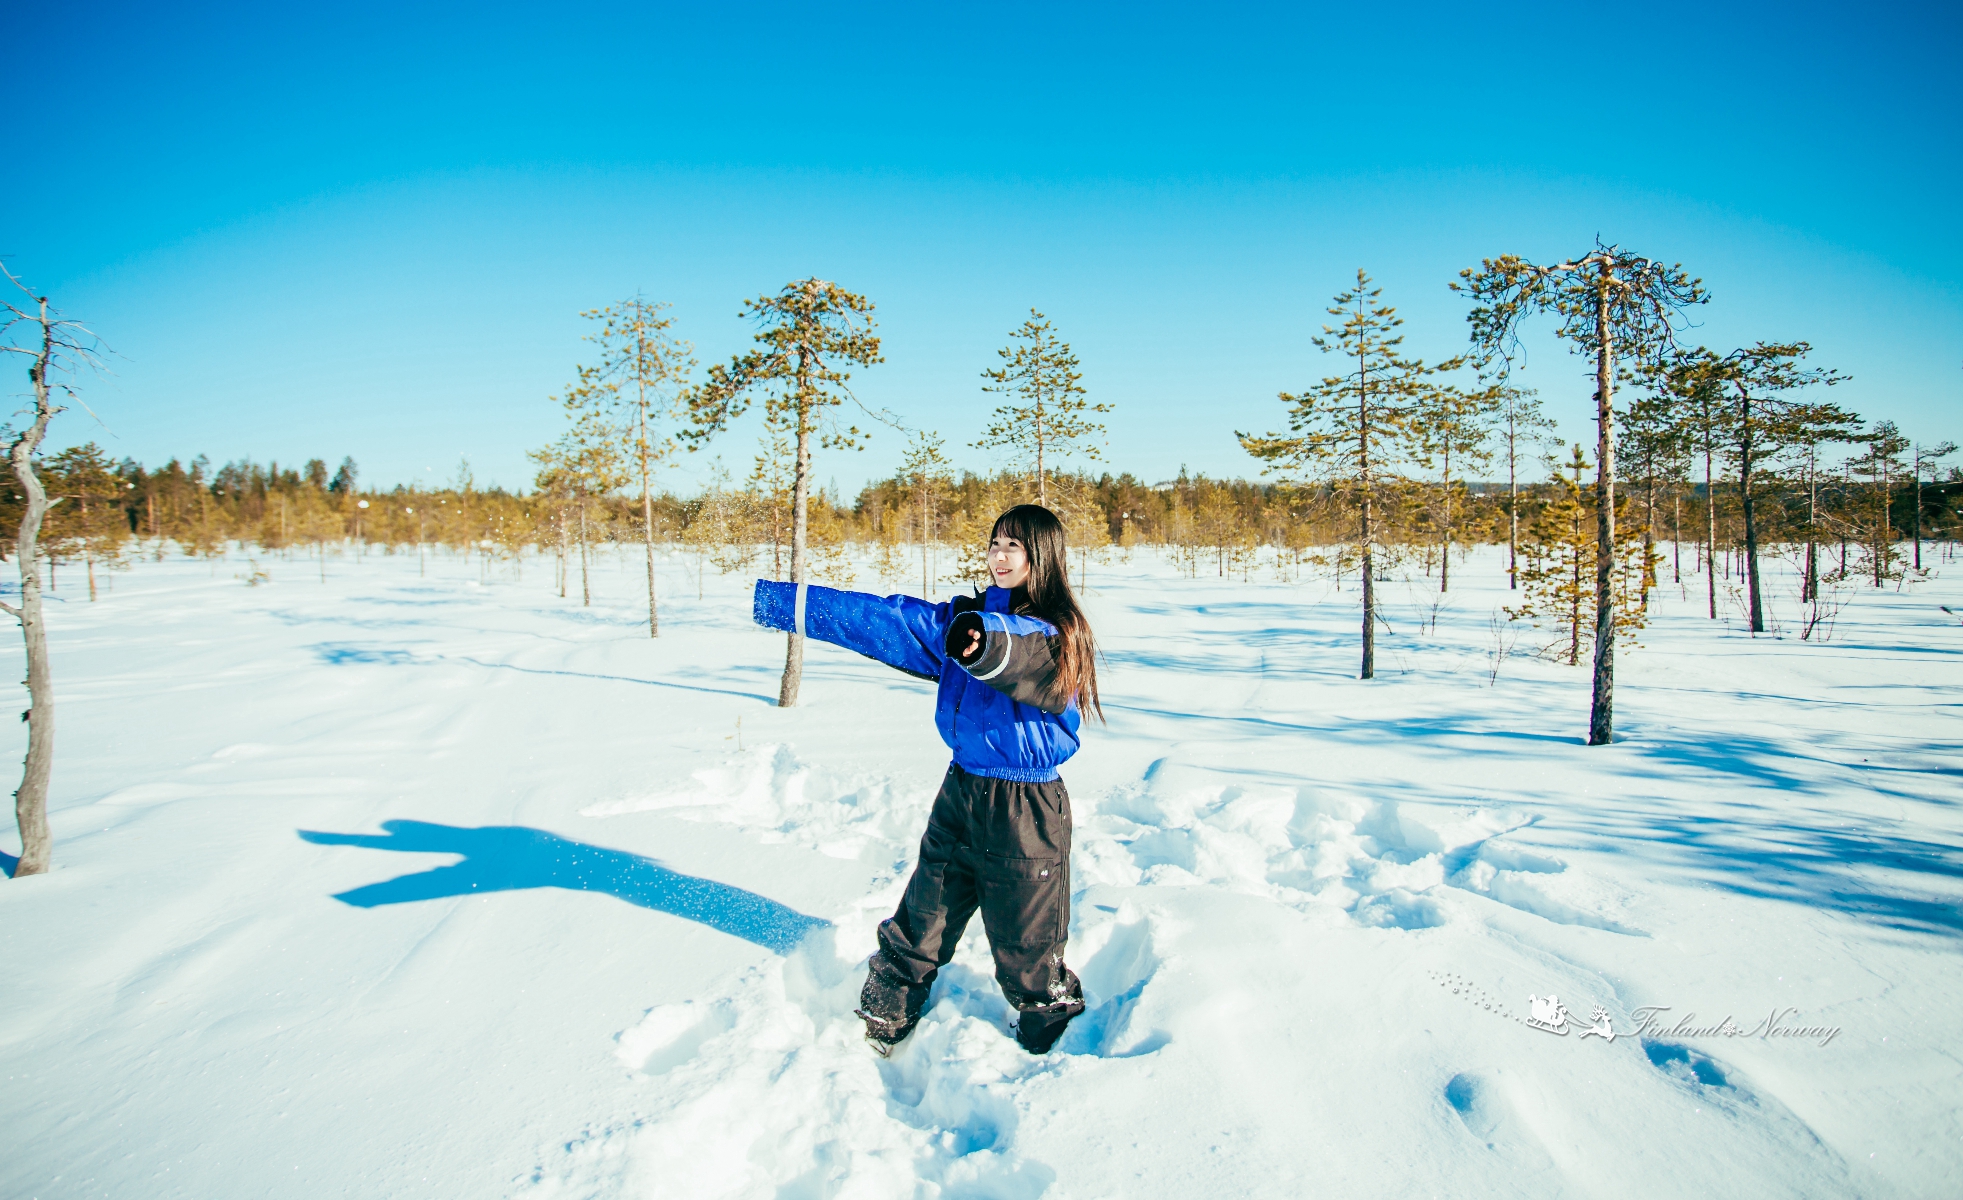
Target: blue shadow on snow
column 343, row 654
column 505, row 858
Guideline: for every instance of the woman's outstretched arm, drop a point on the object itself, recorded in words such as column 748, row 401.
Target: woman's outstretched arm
column 900, row 631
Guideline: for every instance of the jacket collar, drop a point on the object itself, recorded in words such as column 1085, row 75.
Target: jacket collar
column 996, row 599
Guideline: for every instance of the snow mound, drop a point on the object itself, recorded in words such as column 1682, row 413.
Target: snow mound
column 1328, row 849
column 771, row 790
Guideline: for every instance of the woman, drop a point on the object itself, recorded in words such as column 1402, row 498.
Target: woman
column 1015, row 666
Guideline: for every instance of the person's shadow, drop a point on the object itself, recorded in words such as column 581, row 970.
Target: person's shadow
column 503, row 858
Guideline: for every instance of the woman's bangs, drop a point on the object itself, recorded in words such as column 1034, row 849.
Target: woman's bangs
column 1014, row 524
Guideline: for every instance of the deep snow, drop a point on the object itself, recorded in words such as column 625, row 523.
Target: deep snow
column 403, row 886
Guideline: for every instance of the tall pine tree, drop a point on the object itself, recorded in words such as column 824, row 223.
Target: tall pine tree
column 1882, row 464
column 1763, row 422
column 1656, row 448
column 807, row 334
column 642, row 370
column 1047, row 414
column 1518, row 424
column 1610, row 303
column 1354, row 431
column 1454, row 430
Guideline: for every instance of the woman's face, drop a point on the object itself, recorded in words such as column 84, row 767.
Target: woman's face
column 1008, row 562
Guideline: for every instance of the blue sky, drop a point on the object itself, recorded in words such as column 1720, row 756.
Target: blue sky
column 368, row 231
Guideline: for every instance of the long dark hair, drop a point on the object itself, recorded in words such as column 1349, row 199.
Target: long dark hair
column 1047, row 594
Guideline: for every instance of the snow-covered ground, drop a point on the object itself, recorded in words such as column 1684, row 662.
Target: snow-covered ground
column 403, row 886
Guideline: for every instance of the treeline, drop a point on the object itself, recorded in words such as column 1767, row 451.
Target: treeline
column 929, row 526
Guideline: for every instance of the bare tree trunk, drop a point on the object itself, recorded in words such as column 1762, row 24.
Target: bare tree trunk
column 1363, row 478
column 776, row 541
column 1574, row 584
column 1880, row 525
column 1647, row 577
column 1745, row 502
column 647, row 511
column 1810, row 586
column 1369, row 670
column 585, row 572
column 1445, row 559
column 1676, row 535
column 1042, row 492
column 1916, row 464
column 1601, row 712
column 1512, row 514
column 31, row 800
column 1710, row 528
column 800, row 512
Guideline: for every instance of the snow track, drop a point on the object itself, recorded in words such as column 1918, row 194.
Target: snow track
column 775, row 1075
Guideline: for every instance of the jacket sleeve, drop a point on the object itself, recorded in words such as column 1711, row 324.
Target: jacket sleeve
column 900, row 631
column 1016, row 656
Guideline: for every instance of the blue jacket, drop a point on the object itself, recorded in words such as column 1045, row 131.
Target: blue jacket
column 997, row 710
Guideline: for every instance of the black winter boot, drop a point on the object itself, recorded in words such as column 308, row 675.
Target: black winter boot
column 889, row 1004
column 1038, row 1026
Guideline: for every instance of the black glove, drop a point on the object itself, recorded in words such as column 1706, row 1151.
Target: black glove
column 965, row 637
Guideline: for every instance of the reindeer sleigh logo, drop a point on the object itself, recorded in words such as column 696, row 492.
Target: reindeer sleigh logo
column 1549, row 1015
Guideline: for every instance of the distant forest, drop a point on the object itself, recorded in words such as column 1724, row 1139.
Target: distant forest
column 111, row 511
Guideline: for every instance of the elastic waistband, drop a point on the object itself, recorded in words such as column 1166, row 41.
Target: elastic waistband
column 1012, row 774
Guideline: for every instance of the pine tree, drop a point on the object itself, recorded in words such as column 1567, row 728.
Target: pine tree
column 1882, row 463
column 1807, row 428
column 1559, row 579
column 1048, row 416
column 1518, row 423
column 773, row 484
column 1924, row 458
column 1353, row 432
column 1609, row 303
column 1656, row 447
column 925, row 473
column 1762, row 422
column 587, row 462
column 806, row 333
column 1690, row 384
column 85, row 516
column 1453, row 425
column 642, row 371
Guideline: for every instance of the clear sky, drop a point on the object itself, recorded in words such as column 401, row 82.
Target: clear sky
column 368, row 230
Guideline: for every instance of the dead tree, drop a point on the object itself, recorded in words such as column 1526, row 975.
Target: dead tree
column 57, row 347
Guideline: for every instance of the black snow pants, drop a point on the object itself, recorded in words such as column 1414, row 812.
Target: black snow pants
column 1002, row 847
